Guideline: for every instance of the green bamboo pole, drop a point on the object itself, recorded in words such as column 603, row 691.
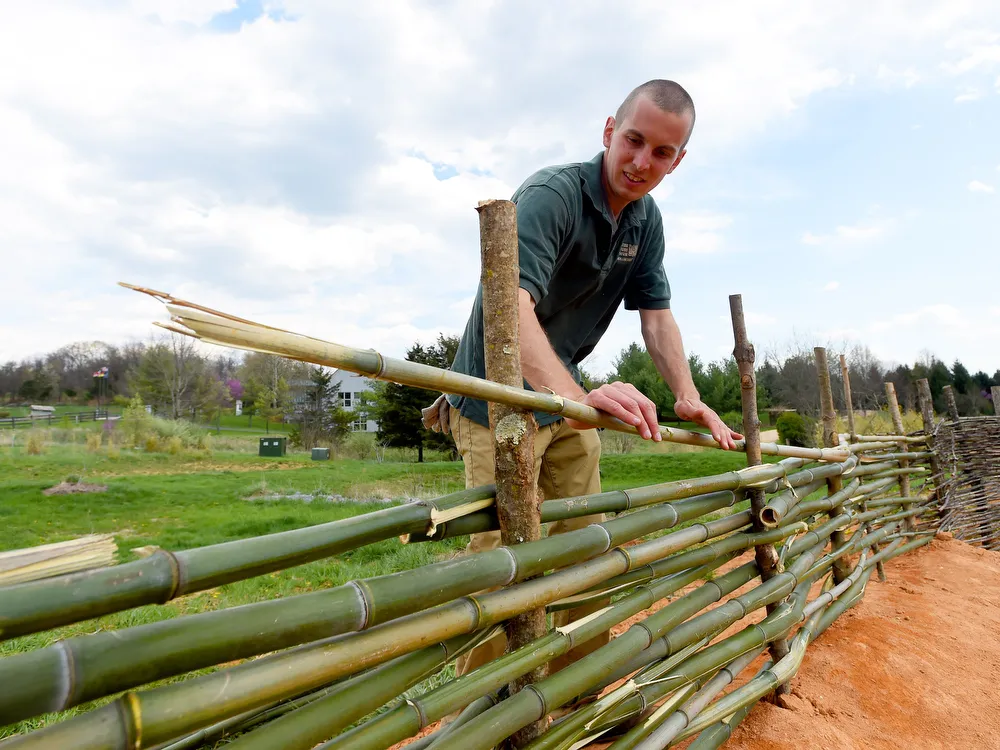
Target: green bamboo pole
column 280, row 676
column 778, row 507
column 719, row 734
column 413, row 715
column 893, row 438
column 41, row 605
column 212, row 326
column 80, row 669
column 355, row 698
column 556, row 690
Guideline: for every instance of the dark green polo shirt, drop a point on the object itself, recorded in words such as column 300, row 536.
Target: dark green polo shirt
column 578, row 266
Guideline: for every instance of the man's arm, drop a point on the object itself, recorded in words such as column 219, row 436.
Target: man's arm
column 664, row 344
column 542, row 369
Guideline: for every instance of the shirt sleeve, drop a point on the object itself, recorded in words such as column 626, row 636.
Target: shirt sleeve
column 543, row 223
column 648, row 287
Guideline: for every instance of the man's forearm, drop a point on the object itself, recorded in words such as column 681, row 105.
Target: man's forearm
column 540, row 365
column 665, row 346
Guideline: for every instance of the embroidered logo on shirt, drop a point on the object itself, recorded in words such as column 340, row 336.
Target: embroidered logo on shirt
column 627, row 252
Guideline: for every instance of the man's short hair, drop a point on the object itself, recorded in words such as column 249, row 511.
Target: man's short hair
column 669, row 96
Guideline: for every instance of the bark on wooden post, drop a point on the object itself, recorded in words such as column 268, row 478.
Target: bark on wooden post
column 897, row 424
column 841, row 567
column 517, row 499
column 949, row 397
column 995, row 390
column 765, row 554
column 846, row 374
column 927, row 413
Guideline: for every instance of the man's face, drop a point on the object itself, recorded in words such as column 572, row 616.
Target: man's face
column 641, row 151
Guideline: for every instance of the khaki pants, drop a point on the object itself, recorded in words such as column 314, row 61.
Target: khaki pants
column 566, row 465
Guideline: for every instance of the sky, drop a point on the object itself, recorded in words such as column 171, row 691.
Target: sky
column 315, row 165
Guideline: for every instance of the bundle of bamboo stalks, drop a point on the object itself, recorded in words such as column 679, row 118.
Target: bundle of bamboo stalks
column 47, row 561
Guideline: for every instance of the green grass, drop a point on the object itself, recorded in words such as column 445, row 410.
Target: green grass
column 197, row 498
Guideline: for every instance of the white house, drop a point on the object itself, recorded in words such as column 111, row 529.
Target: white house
column 349, row 392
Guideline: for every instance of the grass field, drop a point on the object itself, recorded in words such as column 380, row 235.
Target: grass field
column 200, row 497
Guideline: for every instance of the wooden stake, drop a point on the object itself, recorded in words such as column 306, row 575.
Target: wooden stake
column 765, row 554
column 841, row 567
column 927, row 413
column 517, row 499
column 897, row 423
column 995, row 390
column 949, row 397
column 845, row 373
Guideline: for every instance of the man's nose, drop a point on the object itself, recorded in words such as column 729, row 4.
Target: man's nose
column 641, row 159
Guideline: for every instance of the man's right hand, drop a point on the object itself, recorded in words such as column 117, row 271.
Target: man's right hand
column 627, row 403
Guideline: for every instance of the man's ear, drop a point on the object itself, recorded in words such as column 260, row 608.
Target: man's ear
column 609, row 129
column 676, row 162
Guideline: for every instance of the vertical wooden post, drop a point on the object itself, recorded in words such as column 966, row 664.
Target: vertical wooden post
column 513, row 429
column 841, row 567
column 927, row 413
column 849, row 404
column 897, row 424
column 995, row 390
column 765, row 554
column 949, row 397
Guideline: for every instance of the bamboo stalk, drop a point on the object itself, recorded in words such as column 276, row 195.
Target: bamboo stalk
column 513, row 428
column 215, row 327
column 164, row 576
column 103, row 663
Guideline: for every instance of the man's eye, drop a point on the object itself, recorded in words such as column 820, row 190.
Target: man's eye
column 633, row 140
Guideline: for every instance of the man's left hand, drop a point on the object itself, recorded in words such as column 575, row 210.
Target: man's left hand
column 694, row 410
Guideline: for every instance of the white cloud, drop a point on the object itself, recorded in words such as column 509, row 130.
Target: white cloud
column 861, row 232
column 831, row 286
column 697, row 232
column 976, row 48
column 980, row 187
column 906, row 78
column 969, row 95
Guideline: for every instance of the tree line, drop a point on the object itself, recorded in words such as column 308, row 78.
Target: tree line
column 173, row 375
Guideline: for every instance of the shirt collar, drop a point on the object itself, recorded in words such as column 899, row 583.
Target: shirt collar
column 593, row 188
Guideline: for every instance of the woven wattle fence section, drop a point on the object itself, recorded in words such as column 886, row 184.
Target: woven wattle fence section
column 970, row 452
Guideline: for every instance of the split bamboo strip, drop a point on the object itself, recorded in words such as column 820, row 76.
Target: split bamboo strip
column 60, row 558
column 40, row 605
column 893, row 438
column 513, row 428
column 215, row 327
column 80, row 669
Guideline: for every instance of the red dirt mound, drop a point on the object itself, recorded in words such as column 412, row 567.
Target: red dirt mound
column 915, row 665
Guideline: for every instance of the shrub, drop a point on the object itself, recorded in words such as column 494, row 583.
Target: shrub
column 4, row 415
column 733, row 420
column 72, row 479
column 152, row 444
column 94, row 441
column 36, row 443
column 796, row 429
column 174, row 445
column 617, row 443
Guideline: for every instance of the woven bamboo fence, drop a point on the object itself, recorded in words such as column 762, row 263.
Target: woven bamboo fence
column 970, row 452
column 724, row 582
column 328, row 668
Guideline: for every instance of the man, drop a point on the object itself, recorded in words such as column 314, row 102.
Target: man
column 590, row 236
